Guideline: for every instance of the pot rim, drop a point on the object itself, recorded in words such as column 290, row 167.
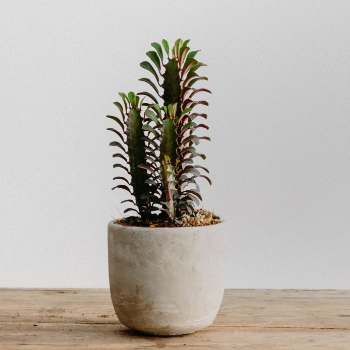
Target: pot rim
column 142, row 228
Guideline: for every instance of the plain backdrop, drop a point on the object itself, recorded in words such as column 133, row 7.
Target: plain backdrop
column 279, row 121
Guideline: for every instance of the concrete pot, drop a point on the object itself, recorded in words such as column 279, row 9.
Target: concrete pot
column 166, row 281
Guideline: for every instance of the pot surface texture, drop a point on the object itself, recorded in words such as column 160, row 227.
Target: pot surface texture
column 167, row 281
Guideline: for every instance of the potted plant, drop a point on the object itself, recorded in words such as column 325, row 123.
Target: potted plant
column 167, row 263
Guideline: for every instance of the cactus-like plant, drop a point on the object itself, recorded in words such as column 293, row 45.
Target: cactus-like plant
column 161, row 144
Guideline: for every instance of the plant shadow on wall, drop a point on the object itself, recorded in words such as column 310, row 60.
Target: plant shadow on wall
column 157, row 142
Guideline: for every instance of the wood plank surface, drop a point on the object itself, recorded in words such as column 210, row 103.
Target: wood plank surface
column 248, row 319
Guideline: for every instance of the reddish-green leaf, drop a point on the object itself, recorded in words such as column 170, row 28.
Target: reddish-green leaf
column 190, row 76
column 202, row 167
column 146, row 65
column 150, row 82
column 151, row 115
column 118, row 133
column 203, row 115
column 117, row 120
column 190, row 62
column 202, row 126
column 149, row 128
column 122, row 187
column 145, row 93
column 121, row 166
column 191, row 125
column 130, row 209
column 119, row 155
column 158, row 49
column 125, row 100
column 121, row 178
column 183, row 53
column 207, row 178
column 128, row 200
column 120, row 107
column 155, row 59
column 194, row 80
column 150, row 141
column 131, row 96
column 195, row 91
column 189, row 149
column 192, row 54
column 166, row 46
column 148, row 168
column 191, row 138
column 118, row 144
column 194, row 193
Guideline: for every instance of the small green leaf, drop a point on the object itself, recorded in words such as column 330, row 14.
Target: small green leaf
column 191, row 138
column 158, row 49
column 191, row 125
column 150, row 82
column 130, row 209
column 198, row 65
column 125, row 100
column 202, row 167
column 131, row 96
column 192, row 54
column 118, row 133
column 154, row 58
column 203, row 126
column 121, row 166
column 117, row 144
column 193, row 81
column 156, row 106
column 120, row 107
column 117, row 120
column 151, row 115
column 178, row 44
column 194, row 193
column 182, row 55
column 146, row 65
column 196, row 91
column 145, row 93
column 121, row 178
column 128, row 200
column 185, row 43
column 147, row 167
column 190, row 62
column 190, row 75
column 193, row 198
column 199, row 155
column 189, row 149
column 207, row 178
column 149, row 128
column 166, row 46
column 195, row 103
column 116, row 155
column 147, row 139
column 123, row 187
column 187, row 110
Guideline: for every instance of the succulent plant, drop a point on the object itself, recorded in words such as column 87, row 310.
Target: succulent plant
column 132, row 151
column 161, row 143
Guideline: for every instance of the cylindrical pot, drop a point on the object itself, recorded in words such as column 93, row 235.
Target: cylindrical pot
column 167, row 281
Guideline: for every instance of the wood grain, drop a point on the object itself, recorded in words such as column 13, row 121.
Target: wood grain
column 248, row 319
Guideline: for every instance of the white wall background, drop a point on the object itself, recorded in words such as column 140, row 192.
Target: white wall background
column 279, row 120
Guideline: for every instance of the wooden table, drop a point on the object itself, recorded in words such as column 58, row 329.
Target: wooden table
column 248, row 319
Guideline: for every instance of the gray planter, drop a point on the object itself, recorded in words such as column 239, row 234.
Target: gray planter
column 167, row 281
